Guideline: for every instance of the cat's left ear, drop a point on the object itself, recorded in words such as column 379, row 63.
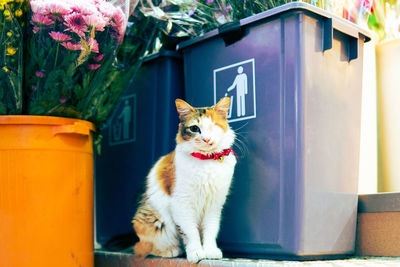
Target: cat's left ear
column 183, row 108
column 222, row 107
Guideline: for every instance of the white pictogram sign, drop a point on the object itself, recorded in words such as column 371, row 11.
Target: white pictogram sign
column 122, row 127
column 237, row 81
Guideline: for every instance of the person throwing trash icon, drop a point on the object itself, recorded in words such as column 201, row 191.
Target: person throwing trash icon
column 125, row 117
column 240, row 83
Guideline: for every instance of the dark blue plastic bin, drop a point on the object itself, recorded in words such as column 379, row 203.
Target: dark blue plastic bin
column 296, row 71
column 142, row 128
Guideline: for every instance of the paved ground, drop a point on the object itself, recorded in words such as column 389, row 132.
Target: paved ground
column 116, row 259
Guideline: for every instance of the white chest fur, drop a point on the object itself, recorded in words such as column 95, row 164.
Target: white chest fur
column 202, row 184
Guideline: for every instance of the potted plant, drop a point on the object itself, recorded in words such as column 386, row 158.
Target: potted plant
column 49, row 112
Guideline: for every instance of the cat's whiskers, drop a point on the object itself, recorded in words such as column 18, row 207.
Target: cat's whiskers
column 241, row 145
column 241, row 127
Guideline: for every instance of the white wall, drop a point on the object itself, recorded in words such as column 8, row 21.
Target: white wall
column 368, row 182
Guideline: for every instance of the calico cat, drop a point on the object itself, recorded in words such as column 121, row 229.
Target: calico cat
column 186, row 189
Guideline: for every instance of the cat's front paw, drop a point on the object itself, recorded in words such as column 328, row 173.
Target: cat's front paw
column 212, row 252
column 195, row 255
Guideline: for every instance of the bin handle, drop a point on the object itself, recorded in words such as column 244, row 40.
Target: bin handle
column 329, row 25
column 76, row 128
column 231, row 32
column 327, row 36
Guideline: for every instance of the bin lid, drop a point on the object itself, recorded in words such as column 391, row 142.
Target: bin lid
column 340, row 24
column 162, row 53
column 380, row 202
column 41, row 120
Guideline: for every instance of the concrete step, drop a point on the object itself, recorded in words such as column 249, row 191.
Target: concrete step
column 123, row 259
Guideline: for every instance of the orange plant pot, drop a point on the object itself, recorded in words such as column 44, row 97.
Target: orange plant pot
column 46, row 192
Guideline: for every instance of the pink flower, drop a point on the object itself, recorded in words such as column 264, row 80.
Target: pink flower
column 35, row 29
column 119, row 23
column 96, row 20
column 227, row 8
column 38, row 7
column 63, row 100
column 75, row 23
column 94, row 66
column 84, row 7
column 72, row 46
column 99, row 57
column 39, row 74
column 105, row 8
column 59, row 36
column 42, row 19
column 57, row 8
column 93, row 45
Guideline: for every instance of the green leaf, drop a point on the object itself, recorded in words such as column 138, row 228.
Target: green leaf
column 54, row 81
column 3, row 109
column 39, row 108
column 2, row 85
column 65, row 111
column 97, row 143
column 79, row 91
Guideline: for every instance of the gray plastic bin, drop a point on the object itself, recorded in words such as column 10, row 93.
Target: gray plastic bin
column 141, row 129
column 296, row 71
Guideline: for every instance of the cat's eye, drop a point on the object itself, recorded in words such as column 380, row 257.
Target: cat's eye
column 194, row 129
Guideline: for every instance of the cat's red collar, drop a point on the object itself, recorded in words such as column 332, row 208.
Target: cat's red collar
column 215, row 156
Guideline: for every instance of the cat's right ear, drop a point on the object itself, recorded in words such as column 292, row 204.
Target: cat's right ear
column 183, row 108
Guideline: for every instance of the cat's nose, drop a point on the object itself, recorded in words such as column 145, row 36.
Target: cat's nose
column 206, row 140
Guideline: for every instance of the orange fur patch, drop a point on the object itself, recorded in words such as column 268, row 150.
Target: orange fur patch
column 217, row 119
column 147, row 226
column 147, row 221
column 179, row 139
column 142, row 249
column 166, row 173
column 142, row 229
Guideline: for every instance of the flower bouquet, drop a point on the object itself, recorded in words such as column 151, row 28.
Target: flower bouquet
column 186, row 18
column 11, row 67
column 71, row 57
column 141, row 37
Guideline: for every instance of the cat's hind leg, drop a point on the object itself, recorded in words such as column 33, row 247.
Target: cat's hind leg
column 157, row 237
column 146, row 237
column 169, row 252
column 142, row 249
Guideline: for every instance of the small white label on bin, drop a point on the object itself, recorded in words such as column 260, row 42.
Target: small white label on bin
column 122, row 128
column 237, row 81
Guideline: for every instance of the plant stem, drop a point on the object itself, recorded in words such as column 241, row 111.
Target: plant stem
column 3, row 31
column 55, row 61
